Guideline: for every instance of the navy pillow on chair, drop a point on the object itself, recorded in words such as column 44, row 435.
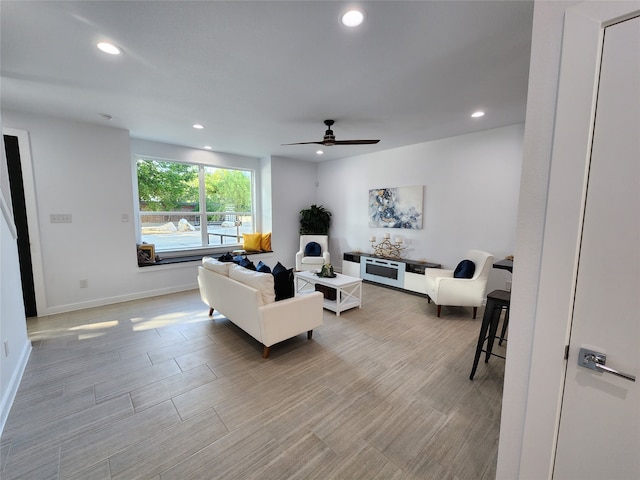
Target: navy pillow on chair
column 465, row 269
column 313, row 249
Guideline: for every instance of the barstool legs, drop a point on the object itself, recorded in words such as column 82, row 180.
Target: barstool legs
column 496, row 301
column 504, row 326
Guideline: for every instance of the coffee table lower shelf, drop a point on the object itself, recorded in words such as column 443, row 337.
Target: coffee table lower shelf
column 348, row 290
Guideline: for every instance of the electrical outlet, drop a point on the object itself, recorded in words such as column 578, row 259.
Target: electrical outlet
column 84, row 283
column 6, row 347
column 60, row 218
column 507, row 286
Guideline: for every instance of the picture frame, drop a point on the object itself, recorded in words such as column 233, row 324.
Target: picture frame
column 150, row 250
column 396, row 207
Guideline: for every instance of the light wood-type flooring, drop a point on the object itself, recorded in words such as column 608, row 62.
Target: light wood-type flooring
column 156, row 389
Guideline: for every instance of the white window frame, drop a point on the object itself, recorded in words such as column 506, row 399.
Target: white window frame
column 204, row 247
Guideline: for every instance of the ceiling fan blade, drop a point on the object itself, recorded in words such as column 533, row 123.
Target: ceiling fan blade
column 330, row 139
column 356, row 142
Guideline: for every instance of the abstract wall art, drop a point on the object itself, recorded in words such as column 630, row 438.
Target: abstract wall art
column 397, row 207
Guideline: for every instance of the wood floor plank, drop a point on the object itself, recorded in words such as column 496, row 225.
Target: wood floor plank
column 53, row 433
column 169, row 387
column 96, row 446
column 27, row 416
column 366, row 463
column 156, row 454
column 305, row 458
column 142, row 377
column 99, row 471
column 211, row 394
column 156, row 389
column 104, row 372
column 44, row 465
column 229, row 457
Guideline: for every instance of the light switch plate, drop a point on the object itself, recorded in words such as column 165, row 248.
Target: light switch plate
column 60, row 218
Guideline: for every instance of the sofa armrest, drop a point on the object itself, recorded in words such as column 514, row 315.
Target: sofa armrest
column 288, row 318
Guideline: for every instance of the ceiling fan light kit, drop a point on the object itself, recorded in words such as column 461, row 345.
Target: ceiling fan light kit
column 329, row 139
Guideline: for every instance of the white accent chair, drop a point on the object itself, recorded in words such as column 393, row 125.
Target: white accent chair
column 444, row 289
column 313, row 263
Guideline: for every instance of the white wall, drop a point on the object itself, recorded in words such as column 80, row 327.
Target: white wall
column 86, row 170
column 13, row 327
column 471, row 187
column 293, row 189
column 541, row 106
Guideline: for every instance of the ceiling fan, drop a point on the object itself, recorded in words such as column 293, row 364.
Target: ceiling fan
column 330, row 139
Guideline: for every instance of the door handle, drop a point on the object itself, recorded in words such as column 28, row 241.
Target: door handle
column 597, row 361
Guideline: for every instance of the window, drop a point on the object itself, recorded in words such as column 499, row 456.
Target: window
column 188, row 206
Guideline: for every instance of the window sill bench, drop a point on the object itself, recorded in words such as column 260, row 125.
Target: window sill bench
column 194, row 258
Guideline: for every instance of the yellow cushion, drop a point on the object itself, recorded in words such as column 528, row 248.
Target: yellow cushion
column 265, row 242
column 251, row 241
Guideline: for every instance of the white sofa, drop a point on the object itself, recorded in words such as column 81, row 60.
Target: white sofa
column 247, row 299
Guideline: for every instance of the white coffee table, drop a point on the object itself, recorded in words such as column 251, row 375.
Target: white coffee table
column 348, row 290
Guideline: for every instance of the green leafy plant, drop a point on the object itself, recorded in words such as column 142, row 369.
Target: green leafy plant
column 315, row 220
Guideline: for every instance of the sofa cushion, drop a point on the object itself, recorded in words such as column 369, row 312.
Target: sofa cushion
column 283, row 282
column 312, row 261
column 263, row 282
column 251, row 242
column 263, row 267
column 312, row 249
column 465, row 269
column 214, row 265
column 265, row 242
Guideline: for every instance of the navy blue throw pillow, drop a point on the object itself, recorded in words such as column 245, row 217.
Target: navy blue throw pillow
column 283, row 282
column 465, row 269
column 313, row 249
column 225, row 257
column 261, row 267
column 246, row 263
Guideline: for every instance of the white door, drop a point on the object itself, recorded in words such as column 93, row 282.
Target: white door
column 599, row 433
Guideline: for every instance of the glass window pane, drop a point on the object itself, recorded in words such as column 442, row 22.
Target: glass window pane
column 170, row 210
column 229, row 204
column 167, row 186
column 171, row 230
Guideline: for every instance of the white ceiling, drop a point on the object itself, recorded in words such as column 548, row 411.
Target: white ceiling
column 263, row 73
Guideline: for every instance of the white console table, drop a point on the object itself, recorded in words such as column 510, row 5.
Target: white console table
column 410, row 276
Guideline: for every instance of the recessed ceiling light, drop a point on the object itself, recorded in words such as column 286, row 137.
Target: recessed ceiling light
column 109, row 48
column 477, row 114
column 319, row 152
column 198, row 126
column 352, row 18
column 207, row 147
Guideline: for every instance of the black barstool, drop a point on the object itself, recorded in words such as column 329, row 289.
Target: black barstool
column 496, row 301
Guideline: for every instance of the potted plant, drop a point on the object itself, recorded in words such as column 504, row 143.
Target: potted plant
column 315, row 220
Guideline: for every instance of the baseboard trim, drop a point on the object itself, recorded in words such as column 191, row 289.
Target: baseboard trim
column 100, row 302
column 9, row 396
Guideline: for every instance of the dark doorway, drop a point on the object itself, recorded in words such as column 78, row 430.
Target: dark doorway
column 20, row 217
